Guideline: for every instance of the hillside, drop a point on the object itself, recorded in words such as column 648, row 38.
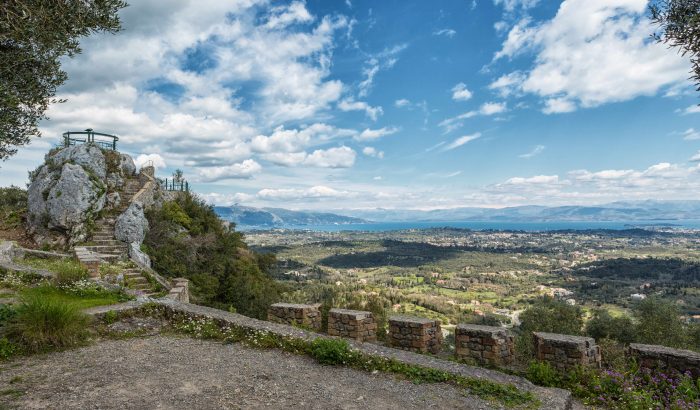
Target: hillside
column 278, row 217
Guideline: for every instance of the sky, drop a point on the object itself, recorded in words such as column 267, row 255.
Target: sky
column 349, row 104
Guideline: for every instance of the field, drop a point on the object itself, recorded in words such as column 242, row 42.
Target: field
column 485, row 276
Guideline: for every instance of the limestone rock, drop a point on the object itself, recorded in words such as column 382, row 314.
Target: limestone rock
column 88, row 156
column 114, row 181
column 128, row 167
column 113, row 200
column 72, row 197
column 137, row 256
column 131, row 226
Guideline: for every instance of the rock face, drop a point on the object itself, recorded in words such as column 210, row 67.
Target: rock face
column 69, row 190
column 132, row 225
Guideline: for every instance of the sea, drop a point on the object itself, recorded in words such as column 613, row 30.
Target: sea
column 488, row 225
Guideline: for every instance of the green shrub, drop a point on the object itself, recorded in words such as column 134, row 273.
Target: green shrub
column 602, row 325
column 7, row 349
column 66, row 271
column 331, row 351
column 543, row 374
column 42, row 324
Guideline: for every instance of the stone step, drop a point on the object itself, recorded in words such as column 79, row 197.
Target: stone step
column 108, row 249
column 107, row 242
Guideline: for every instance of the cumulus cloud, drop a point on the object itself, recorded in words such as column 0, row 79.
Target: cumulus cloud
column 696, row 157
column 350, row 105
column 511, row 5
column 340, row 157
column 318, row 191
column 242, row 170
column 693, row 109
column 584, row 55
column 461, row 93
column 149, row 159
column 536, row 180
column 373, row 152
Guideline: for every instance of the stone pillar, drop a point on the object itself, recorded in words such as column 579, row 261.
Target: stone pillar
column 665, row 358
column 564, row 351
column 486, row 344
column 415, row 334
column 353, row 324
column 180, row 290
column 308, row 316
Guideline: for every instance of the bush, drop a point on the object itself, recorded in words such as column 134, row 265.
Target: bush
column 546, row 315
column 42, row 324
column 543, row 374
column 7, row 349
column 331, row 351
column 659, row 323
column 602, row 326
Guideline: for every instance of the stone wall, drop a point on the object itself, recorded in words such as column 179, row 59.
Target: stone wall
column 353, row 324
column 486, row 344
column 565, row 352
column 180, row 290
column 666, row 358
column 415, row 334
column 308, row 316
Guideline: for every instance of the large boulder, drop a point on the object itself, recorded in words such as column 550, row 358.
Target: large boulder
column 68, row 191
column 88, row 156
column 132, row 225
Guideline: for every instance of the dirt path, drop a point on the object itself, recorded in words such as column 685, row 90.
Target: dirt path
column 167, row 372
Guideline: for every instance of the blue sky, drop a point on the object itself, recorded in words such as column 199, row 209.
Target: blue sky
column 397, row 104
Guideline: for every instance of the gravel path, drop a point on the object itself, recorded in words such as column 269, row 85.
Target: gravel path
column 168, row 372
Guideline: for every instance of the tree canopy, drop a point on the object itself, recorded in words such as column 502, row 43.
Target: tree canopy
column 679, row 23
column 34, row 35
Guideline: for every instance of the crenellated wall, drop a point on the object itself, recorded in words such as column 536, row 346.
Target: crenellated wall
column 353, row 324
column 296, row 314
column 486, row 344
column 565, row 351
column 665, row 358
column 415, row 334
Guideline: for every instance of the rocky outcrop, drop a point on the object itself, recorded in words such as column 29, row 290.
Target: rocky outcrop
column 69, row 190
column 132, row 225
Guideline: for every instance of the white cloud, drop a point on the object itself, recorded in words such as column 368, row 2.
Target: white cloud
column 594, row 52
column 461, row 93
column 691, row 134
column 318, row 191
column 384, row 60
column 282, row 16
column 558, row 106
column 373, row 152
column 486, row 109
column 447, row 32
column 149, row 159
column 341, row 157
column 460, row 141
column 242, row 170
column 371, row 112
column 402, row 103
column 511, row 5
column 537, row 150
column 536, row 180
column 693, row 109
column 507, row 84
column 696, row 157
column 369, row 134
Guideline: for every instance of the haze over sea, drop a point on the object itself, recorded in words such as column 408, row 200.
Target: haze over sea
column 487, row 225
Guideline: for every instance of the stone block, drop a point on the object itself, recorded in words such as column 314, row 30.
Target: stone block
column 665, row 358
column 308, row 316
column 566, row 351
column 489, row 344
column 415, row 334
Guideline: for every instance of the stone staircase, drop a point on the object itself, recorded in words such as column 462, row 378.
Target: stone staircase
column 105, row 247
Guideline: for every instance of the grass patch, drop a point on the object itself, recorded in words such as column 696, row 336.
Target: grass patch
column 45, row 323
column 80, row 299
column 66, row 270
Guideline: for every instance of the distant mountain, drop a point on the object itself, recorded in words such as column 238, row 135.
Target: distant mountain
column 649, row 210
column 278, row 217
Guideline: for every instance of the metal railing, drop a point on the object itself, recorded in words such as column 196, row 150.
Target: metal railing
column 175, row 185
column 106, row 141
